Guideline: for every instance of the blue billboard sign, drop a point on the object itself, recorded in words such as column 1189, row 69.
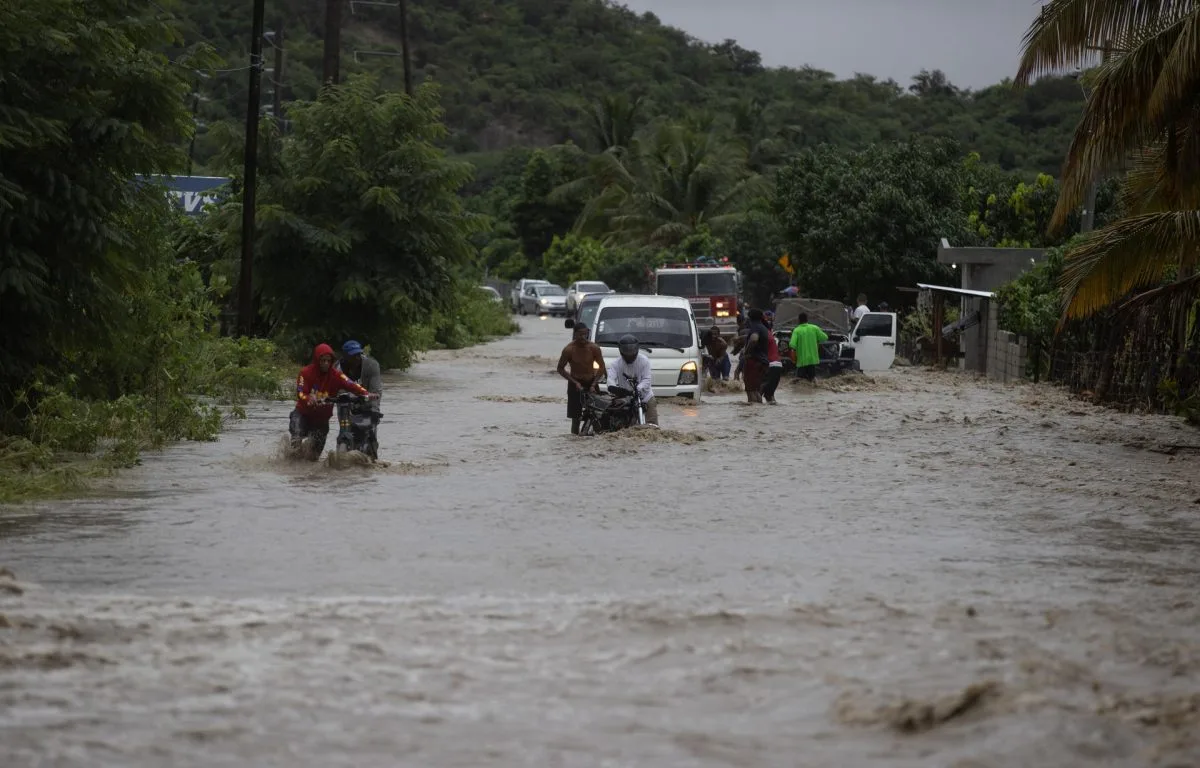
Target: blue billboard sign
column 191, row 193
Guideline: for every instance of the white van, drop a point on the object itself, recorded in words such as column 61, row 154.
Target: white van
column 666, row 329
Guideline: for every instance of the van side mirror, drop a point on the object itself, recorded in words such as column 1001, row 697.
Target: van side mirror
column 568, row 323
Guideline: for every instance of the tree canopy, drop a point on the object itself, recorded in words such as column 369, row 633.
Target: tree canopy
column 537, row 72
column 89, row 103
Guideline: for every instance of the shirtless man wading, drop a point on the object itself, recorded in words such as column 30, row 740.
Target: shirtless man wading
column 586, row 363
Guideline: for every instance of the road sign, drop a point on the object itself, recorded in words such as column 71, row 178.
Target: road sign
column 191, row 193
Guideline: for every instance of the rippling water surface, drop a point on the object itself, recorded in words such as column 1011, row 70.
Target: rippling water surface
column 911, row 569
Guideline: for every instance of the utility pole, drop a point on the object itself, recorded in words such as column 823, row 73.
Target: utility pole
column 195, row 123
column 1088, row 218
column 246, row 282
column 278, row 75
column 404, row 47
column 333, row 42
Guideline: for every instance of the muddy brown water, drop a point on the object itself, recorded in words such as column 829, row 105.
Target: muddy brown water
column 909, row 569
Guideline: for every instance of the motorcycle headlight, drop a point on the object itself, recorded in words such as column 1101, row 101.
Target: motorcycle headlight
column 687, row 373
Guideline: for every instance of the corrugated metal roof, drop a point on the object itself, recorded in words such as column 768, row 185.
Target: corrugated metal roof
column 959, row 291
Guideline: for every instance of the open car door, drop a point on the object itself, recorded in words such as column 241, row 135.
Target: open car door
column 874, row 339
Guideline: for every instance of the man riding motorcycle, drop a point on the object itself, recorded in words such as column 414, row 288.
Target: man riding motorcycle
column 316, row 383
column 633, row 364
column 362, row 369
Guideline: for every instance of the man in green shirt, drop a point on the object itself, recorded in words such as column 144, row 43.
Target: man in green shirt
column 805, row 338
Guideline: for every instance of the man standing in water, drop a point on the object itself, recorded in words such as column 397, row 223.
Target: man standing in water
column 718, row 352
column 755, row 356
column 362, row 368
column 316, row 383
column 586, row 361
column 805, row 340
column 774, row 362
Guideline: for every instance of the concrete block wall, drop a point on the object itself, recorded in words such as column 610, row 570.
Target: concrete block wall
column 1006, row 351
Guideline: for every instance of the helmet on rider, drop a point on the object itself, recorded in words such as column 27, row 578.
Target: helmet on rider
column 628, row 346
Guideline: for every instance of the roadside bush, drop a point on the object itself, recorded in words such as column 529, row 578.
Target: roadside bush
column 473, row 319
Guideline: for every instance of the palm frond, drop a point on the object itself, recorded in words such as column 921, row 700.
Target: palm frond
column 1066, row 32
column 1114, row 121
column 1131, row 254
column 1179, row 79
column 1186, row 287
column 1156, row 181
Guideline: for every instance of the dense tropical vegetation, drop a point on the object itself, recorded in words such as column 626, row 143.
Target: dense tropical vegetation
column 1129, row 292
column 111, row 301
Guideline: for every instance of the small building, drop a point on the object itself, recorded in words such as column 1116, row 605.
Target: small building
column 983, row 347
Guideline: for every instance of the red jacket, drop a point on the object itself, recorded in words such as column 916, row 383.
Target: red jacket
column 772, row 348
column 312, row 386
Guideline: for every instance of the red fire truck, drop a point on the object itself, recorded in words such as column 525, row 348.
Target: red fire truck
column 713, row 288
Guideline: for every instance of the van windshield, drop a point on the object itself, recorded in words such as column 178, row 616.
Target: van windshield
column 587, row 312
column 654, row 326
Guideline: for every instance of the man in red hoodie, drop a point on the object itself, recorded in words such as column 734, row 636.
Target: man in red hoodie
column 317, row 382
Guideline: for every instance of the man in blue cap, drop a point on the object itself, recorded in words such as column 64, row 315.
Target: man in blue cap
column 362, row 369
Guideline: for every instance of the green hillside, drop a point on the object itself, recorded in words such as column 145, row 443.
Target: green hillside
column 520, row 73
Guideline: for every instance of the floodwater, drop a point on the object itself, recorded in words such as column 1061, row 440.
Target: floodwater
column 910, row 569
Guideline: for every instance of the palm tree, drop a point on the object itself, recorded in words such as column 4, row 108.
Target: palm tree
column 612, row 122
column 670, row 182
column 1143, row 114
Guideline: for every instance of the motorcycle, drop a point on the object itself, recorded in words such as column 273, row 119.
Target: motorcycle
column 620, row 409
column 357, row 426
column 357, row 431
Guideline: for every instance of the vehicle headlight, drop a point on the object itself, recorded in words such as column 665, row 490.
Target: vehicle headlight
column 687, row 373
column 543, row 301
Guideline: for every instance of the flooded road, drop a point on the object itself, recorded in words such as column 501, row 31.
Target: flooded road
column 909, row 569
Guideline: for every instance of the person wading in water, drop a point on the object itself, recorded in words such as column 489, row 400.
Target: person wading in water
column 755, row 356
column 774, row 362
column 586, row 362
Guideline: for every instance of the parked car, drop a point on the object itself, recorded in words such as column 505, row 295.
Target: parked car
column 666, row 329
column 576, row 291
column 492, row 293
column 544, row 299
column 519, row 290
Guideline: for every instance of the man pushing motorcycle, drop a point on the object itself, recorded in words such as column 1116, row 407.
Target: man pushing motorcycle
column 363, row 369
column 632, row 364
column 318, row 382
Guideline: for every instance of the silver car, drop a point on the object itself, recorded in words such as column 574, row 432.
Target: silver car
column 544, row 300
column 577, row 291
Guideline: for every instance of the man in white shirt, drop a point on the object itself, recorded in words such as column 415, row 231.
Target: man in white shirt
column 862, row 307
column 633, row 364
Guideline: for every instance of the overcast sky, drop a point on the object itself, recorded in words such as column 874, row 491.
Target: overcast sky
column 975, row 42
